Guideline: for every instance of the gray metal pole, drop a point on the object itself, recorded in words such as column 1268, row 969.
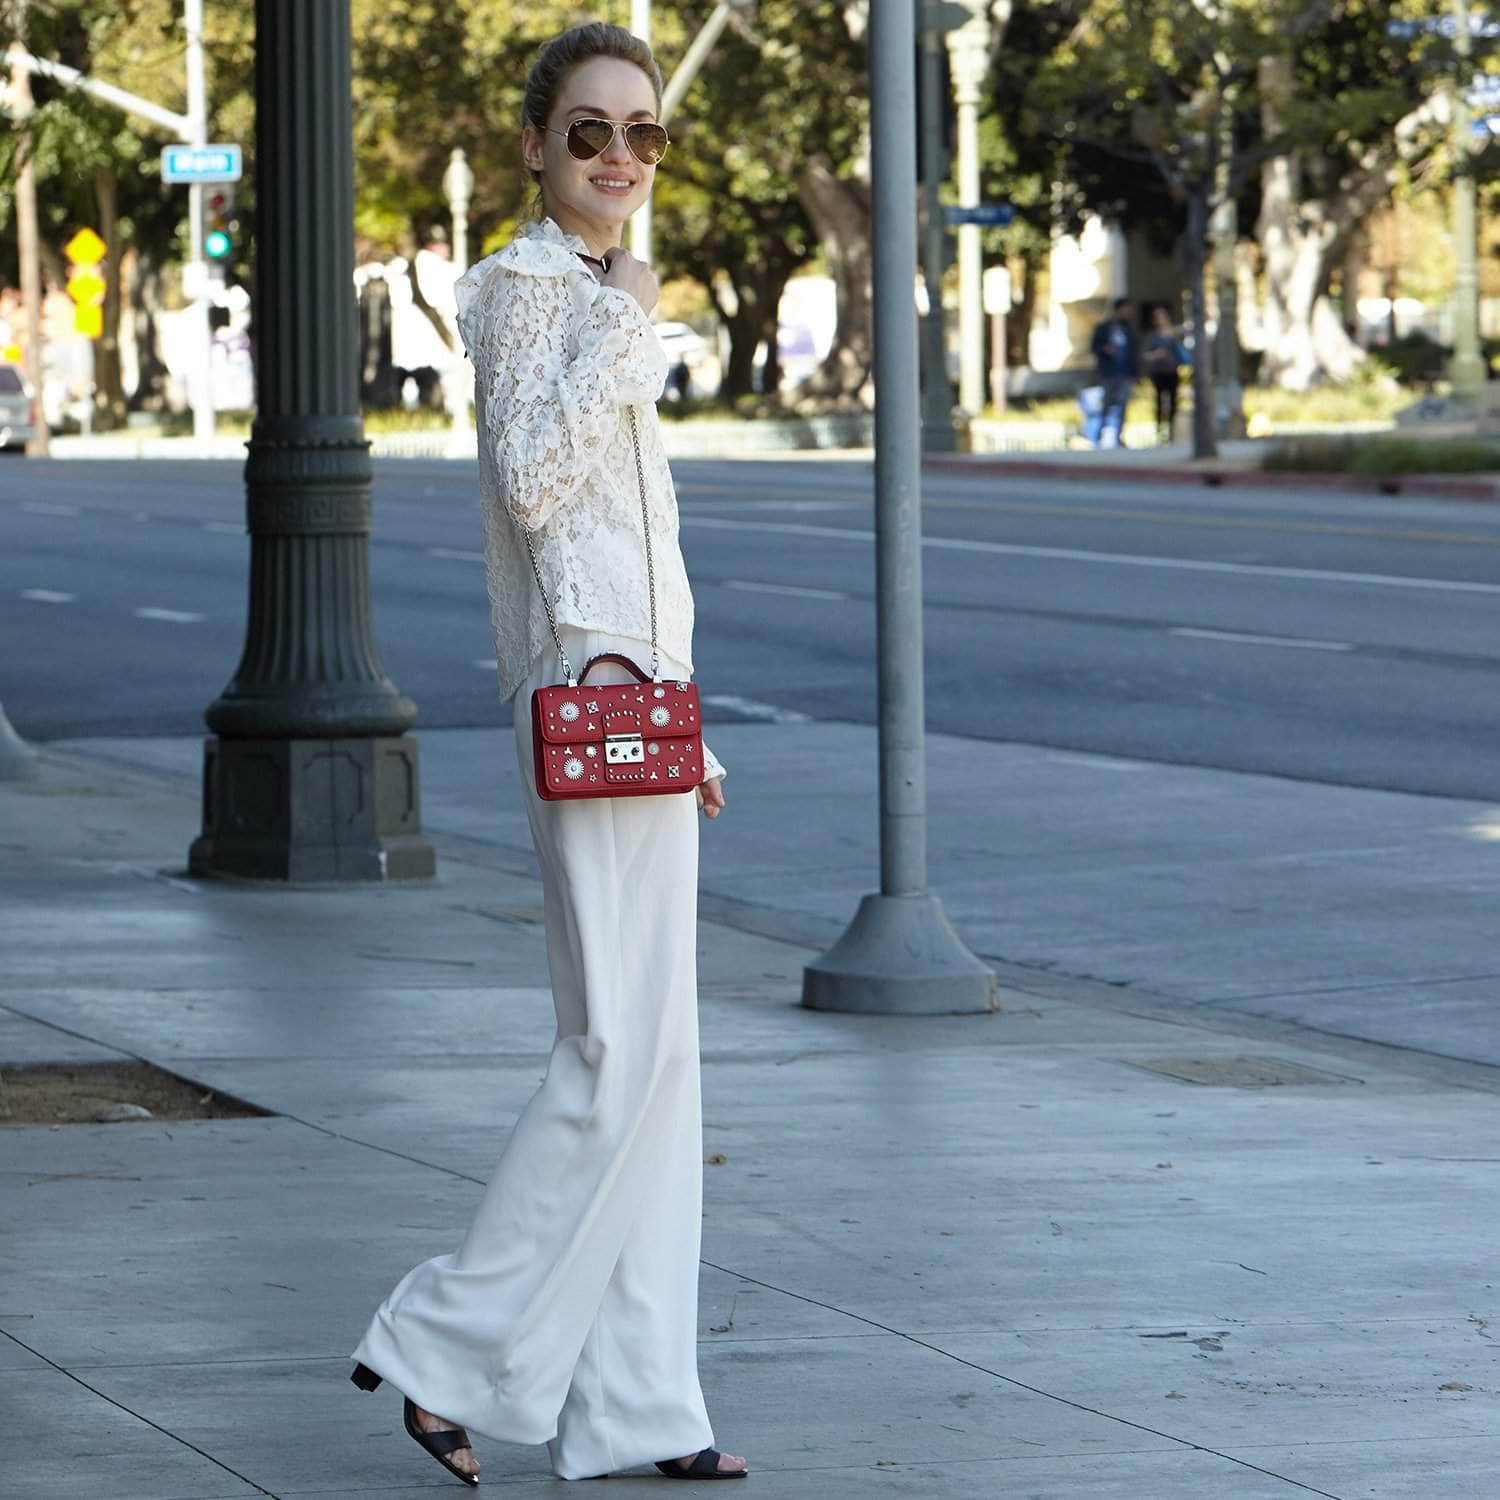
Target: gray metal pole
column 640, row 220
column 969, row 51
column 312, row 776
column 937, row 393
column 1466, row 373
column 200, row 388
column 28, row 248
column 900, row 955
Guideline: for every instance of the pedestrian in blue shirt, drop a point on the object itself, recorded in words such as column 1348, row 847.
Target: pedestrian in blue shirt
column 1117, row 362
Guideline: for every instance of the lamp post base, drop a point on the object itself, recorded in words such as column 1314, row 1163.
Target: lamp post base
column 900, row 957
column 17, row 758
column 312, row 810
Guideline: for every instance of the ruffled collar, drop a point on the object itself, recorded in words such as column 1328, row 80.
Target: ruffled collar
column 540, row 249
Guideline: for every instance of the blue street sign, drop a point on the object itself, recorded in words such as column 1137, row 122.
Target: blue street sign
column 201, row 164
column 991, row 215
column 1480, row 24
column 1483, row 92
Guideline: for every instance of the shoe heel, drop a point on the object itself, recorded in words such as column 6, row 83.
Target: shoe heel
column 365, row 1378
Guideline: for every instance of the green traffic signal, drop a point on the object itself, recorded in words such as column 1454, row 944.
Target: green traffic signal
column 218, row 241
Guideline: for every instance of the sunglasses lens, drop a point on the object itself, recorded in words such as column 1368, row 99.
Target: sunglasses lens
column 587, row 138
column 648, row 143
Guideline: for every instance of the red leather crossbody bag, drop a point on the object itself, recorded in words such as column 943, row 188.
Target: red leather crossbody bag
column 632, row 739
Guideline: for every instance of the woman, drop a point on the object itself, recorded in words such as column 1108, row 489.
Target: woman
column 569, row 1314
column 1164, row 357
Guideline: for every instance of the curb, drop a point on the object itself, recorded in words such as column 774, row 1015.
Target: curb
column 998, row 466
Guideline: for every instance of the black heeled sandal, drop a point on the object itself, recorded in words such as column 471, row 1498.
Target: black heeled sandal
column 705, row 1465
column 438, row 1444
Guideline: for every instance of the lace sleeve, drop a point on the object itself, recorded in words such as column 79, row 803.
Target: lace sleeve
column 551, row 412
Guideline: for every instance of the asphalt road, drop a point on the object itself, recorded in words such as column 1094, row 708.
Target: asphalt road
column 1349, row 639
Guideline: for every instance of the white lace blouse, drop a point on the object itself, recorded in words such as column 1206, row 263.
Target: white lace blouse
column 558, row 359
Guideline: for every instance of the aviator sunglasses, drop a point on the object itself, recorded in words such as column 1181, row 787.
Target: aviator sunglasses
column 588, row 138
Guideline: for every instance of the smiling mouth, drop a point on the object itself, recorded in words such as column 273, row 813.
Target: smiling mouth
column 613, row 184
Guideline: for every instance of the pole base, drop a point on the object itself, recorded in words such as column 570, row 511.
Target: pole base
column 17, row 758
column 312, row 810
column 900, row 957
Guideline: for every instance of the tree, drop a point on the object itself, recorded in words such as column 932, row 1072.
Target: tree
column 97, row 166
column 1386, row 123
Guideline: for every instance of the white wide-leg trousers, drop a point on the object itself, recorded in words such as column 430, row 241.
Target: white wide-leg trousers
column 569, row 1314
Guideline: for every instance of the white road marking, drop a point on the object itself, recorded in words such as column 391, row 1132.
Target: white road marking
column 766, row 712
column 47, row 508
column 47, row 596
column 1117, row 559
column 224, row 528
column 171, row 616
column 750, row 587
column 1240, row 638
column 455, row 554
column 487, row 664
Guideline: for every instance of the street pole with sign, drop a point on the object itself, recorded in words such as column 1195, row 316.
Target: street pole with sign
column 900, row 955
column 458, row 377
column 969, row 55
column 936, row 17
column 1466, row 371
column 28, row 247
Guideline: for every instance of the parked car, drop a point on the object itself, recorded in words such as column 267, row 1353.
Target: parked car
column 15, row 408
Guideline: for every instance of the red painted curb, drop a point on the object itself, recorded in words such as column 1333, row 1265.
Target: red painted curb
column 999, row 466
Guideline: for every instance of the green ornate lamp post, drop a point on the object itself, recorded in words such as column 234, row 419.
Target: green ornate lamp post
column 311, row 775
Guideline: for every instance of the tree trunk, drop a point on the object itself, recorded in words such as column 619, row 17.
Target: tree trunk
column 1195, row 258
column 744, row 329
column 1018, row 324
column 1302, row 239
column 109, row 390
column 839, row 209
column 146, row 304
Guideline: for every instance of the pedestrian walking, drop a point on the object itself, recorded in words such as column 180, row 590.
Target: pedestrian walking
column 568, row 1316
column 1163, row 357
column 1117, row 364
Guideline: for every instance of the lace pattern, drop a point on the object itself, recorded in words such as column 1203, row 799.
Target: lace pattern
column 557, row 359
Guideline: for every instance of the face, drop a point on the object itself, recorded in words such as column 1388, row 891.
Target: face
column 593, row 198
column 1161, row 318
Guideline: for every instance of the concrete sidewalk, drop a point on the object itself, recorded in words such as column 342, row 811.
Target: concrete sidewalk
column 1017, row 1255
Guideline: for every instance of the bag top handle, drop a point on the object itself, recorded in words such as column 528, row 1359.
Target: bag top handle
column 619, row 661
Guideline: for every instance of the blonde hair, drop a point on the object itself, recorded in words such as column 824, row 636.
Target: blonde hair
column 580, row 44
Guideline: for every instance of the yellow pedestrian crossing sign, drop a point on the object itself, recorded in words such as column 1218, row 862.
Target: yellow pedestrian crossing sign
column 86, row 286
column 85, row 248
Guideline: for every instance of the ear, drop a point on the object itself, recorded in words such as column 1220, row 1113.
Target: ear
column 532, row 141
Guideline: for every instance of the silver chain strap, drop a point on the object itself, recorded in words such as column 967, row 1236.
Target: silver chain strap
column 562, row 655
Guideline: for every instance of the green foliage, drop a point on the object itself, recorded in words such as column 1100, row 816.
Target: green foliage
column 1377, row 456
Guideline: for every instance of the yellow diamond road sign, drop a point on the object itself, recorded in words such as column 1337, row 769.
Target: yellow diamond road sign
column 85, row 248
column 84, row 286
column 88, row 320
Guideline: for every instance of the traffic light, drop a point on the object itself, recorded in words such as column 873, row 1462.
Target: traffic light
column 219, row 224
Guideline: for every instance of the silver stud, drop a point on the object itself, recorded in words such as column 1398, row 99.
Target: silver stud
column 673, row 771
column 572, row 768
column 653, row 748
column 593, row 708
column 661, row 717
column 660, row 692
column 592, row 751
column 569, row 712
